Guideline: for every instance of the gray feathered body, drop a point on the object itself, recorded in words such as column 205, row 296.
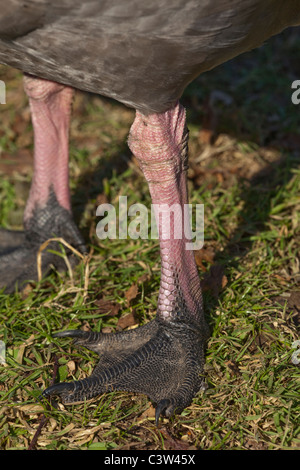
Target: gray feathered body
column 140, row 53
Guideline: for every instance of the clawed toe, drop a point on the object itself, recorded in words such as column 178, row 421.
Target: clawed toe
column 18, row 250
column 163, row 408
column 166, row 364
column 10, row 240
column 18, row 264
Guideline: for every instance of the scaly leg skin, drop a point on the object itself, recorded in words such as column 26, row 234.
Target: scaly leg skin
column 163, row 359
column 48, row 211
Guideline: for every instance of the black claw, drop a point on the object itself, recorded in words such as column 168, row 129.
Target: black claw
column 72, row 334
column 161, row 408
column 62, row 389
column 81, row 338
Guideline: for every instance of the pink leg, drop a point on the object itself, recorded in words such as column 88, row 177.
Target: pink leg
column 163, row 359
column 50, row 105
column 159, row 142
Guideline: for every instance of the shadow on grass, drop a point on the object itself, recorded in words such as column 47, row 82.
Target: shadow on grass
column 91, row 182
column 257, row 196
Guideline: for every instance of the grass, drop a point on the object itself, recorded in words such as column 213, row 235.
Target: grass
column 244, row 166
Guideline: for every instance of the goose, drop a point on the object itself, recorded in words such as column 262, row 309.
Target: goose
column 142, row 54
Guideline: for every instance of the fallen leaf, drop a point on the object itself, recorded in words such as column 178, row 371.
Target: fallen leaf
column 131, row 293
column 205, row 254
column 148, row 413
column 126, row 321
column 173, row 444
column 107, row 307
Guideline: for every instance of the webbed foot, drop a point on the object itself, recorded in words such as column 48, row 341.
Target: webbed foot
column 18, row 250
column 163, row 360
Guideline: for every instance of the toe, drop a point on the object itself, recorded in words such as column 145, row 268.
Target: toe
column 10, row 239
column 161, row 409
column 152, row 360
column 64, row 390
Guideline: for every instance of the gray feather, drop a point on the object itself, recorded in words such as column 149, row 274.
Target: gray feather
column 141, row 53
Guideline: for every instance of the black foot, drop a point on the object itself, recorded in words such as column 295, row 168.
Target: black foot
column 161, row 360
column 18, row 250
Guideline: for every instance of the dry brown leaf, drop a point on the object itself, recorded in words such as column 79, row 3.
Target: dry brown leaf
column 173, row 444
column 148, row 413
column 131, row 293
column 108, row 307
column 126, row 321
column 205, row 254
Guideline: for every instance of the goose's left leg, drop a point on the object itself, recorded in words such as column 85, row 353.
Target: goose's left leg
column 163, row 359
